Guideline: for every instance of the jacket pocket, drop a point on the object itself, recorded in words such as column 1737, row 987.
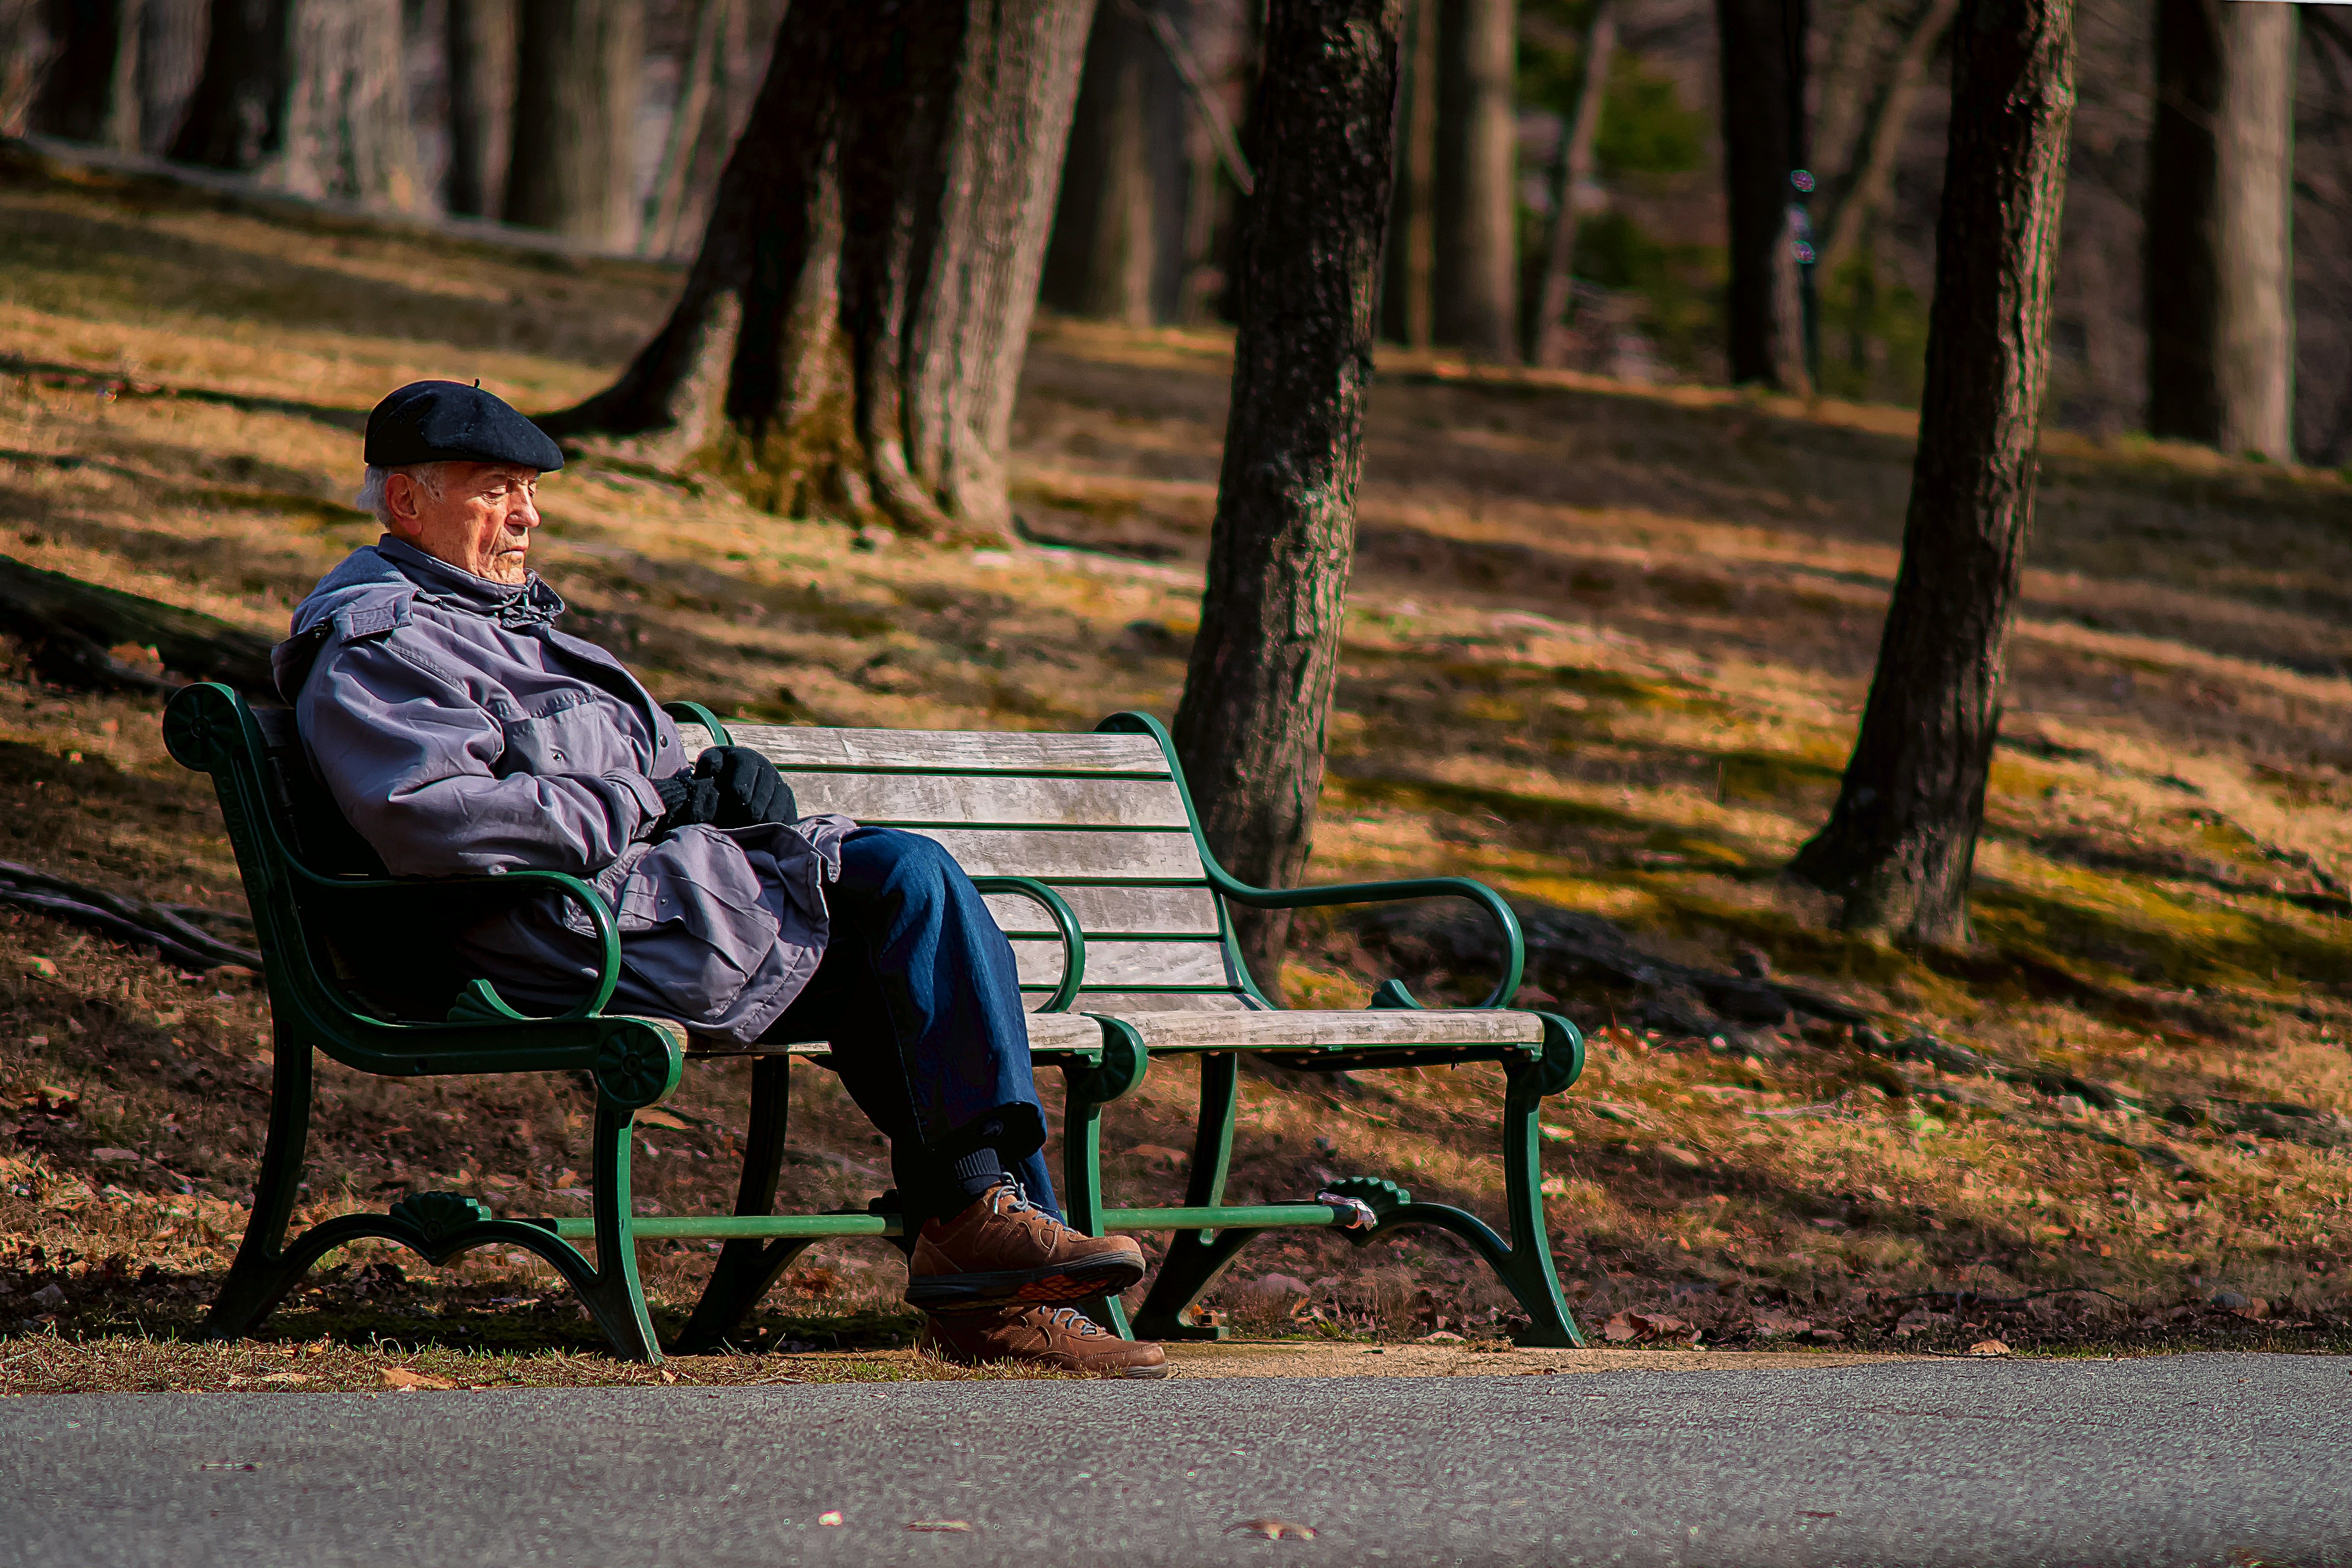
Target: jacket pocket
column 572, row 734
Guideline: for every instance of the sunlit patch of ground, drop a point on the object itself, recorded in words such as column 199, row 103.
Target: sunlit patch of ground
column 1605, row 649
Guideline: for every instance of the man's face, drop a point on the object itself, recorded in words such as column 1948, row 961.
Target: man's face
column 478, row 517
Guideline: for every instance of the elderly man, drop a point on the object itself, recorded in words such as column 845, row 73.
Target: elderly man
column 461, row 732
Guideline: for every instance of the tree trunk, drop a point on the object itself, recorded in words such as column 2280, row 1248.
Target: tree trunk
column 347, row 132
column 1477, row 271
column 577, row 68
column 2218, row 256
column 171, row 58
column 1257, row 694
column 1571, row 173
column 479, row 46
column 851, row 335
column 1762, row 81
column 1117, row 249
column 90, row 91
column 702, row 92
column 237, row 116
column 1409, row 267
column 1869, row 177
column 1902, row 839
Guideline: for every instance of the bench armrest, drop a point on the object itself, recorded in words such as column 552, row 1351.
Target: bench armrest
column 1065, row 920
column 1391, row 992
column 468, row 891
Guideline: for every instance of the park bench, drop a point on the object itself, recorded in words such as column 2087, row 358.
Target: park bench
column 1090, row 856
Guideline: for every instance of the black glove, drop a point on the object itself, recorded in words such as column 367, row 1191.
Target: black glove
column 749, row 789
column 686, row 800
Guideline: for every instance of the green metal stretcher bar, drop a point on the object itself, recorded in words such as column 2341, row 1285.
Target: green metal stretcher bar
column 1265, row 1217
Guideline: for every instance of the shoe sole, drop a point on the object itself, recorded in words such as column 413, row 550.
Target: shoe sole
column 1037, row 1287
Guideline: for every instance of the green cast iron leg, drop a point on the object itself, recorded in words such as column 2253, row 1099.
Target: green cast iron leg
column 747, row 1269
column 1082, row 1181
column 1528, row 1272
column 261, row 1273
column 616, row 1301
column 1195, row 1258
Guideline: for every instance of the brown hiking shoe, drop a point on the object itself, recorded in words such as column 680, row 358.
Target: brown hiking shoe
column 1003, row 1248
column 1062, row 1338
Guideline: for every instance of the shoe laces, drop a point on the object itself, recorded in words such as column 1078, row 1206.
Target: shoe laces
column 1077, row 1322
column 1016, row 1198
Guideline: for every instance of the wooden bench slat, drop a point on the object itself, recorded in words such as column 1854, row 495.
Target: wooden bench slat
column 939, row 751
column 906, row 799
column 1051, row 855
column 1127, row 964
column 1109, row 912
column 1124, row 1003
column 1290, row 1029
column 1047, row 1032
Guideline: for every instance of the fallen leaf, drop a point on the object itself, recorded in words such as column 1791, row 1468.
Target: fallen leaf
column 668, row 1376
column 963, row 1525
column 1989, row 1347
column 1780, row 1325
column 115, row 1156
column 1625, row 1326
column 1274, row 1530
column 283, row 1377
column 1159, row 1156
column 42, row 968
column 830, row 1517
column 404, row 1377
column 660, row 1118
column 1442, row 1337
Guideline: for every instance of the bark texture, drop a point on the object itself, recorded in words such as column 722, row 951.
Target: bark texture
column 1409, row 267
column 701, row 98
column 1252, row 724
column 347, row 129
column 2219, row 253
column 1571, row 175
column 577, row 74
column 479, row 42
column 1477, row 281
column 236, row 116
column 851, row 335
column 1116, row 251
column 1762, row 83
column 1902, row 839
column 171, row 58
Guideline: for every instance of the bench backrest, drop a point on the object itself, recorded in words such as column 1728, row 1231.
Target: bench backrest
column 1100, row 818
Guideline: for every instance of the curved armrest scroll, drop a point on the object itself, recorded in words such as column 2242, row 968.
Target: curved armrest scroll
column 1065, row 920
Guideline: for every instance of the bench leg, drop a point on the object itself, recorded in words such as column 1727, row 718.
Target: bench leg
column 1085, row 1090
column 1195, row 1258
column 747, row 1269
column 259, row 1277
column 436, row 1225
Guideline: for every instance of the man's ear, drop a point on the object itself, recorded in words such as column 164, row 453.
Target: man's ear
column 400, row 500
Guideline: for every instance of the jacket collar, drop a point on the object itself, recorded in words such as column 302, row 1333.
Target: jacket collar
column 515, row 605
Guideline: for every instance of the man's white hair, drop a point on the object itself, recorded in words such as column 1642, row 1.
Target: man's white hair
column 372, row 486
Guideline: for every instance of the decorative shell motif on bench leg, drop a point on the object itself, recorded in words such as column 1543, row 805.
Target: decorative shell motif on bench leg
column 439, row 1215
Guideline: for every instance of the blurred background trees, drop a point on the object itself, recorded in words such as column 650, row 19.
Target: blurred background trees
column 1603, row 185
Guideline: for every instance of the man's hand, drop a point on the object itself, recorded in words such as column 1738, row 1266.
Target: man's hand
column 749, row 787
column 686, row 800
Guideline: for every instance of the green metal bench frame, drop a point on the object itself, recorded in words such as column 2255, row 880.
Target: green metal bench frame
column 634, row 1063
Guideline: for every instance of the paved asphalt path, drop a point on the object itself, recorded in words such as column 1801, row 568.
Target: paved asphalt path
column 2206, row 1459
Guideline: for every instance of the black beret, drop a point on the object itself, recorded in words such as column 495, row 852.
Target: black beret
column 448, row 421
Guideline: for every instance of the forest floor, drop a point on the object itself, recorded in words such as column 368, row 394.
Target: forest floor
column 1605, row 648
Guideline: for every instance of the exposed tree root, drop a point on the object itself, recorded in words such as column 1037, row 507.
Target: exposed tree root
column 83, row 636
column 169, row 929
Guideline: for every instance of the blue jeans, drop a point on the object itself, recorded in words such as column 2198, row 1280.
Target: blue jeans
column 918, row 996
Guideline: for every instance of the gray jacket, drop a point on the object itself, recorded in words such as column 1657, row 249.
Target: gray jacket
column 461, row 733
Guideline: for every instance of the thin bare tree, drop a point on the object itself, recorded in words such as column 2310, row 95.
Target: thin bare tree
column 1252, row 725
column 1901, row 842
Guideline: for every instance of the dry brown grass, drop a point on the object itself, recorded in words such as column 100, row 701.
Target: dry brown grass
column 1605, row 649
